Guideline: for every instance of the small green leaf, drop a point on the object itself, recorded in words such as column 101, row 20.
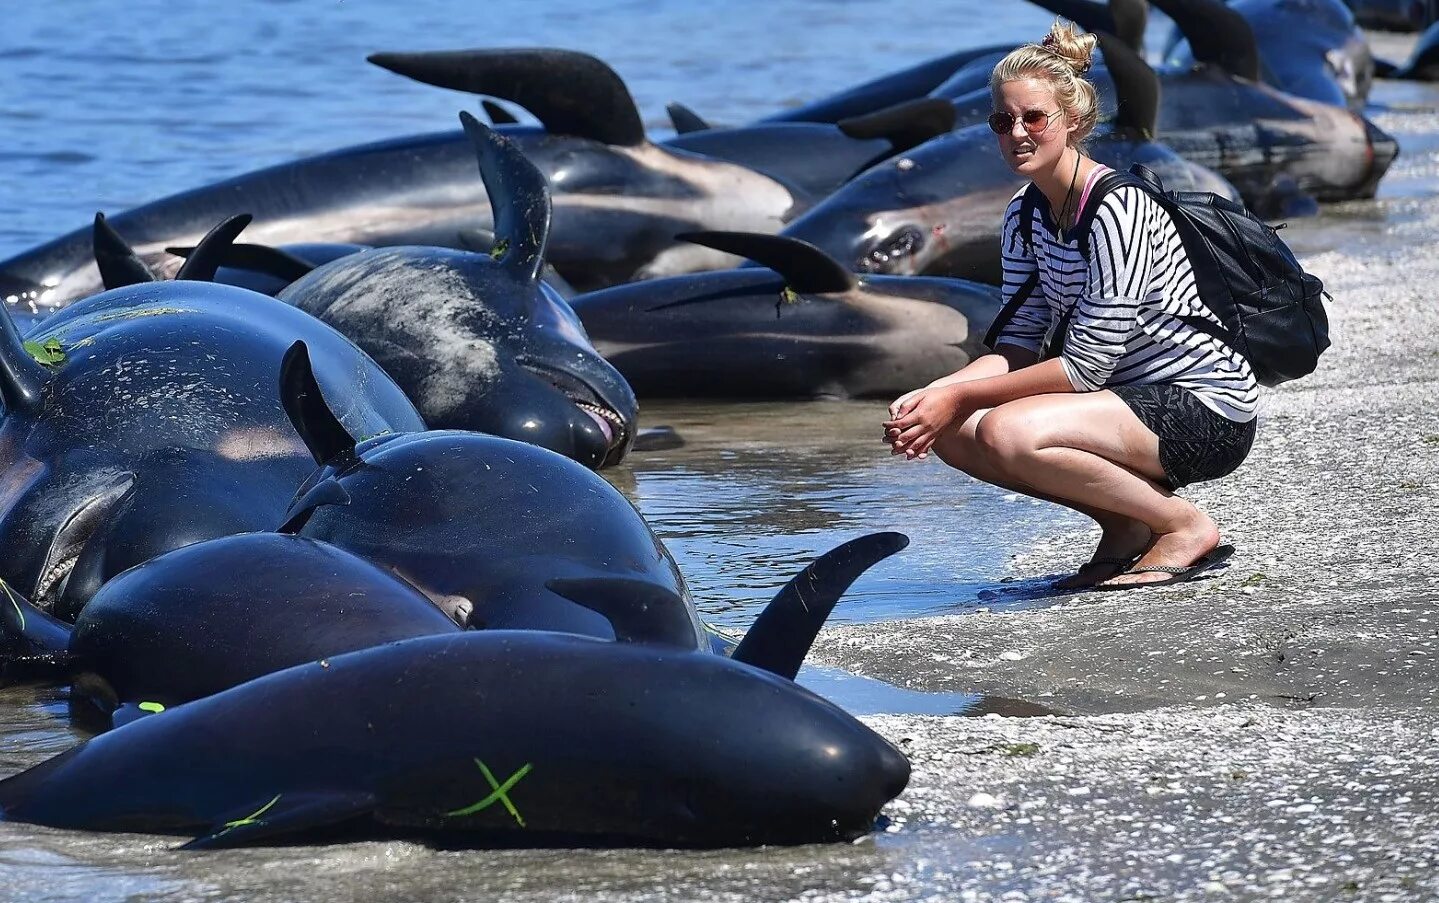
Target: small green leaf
column 789, row 295
column 50, row 353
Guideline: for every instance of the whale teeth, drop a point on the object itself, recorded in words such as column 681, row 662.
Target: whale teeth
column 52, row 579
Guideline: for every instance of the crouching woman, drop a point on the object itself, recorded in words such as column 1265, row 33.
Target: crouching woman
column 1098, row 396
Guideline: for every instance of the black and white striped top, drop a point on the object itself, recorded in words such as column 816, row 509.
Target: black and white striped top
column 1125, row 329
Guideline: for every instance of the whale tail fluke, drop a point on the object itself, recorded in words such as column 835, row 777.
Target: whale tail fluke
column 783, row 633
column 569, row 92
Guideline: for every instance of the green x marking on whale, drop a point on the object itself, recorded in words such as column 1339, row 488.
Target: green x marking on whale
column 500, row 793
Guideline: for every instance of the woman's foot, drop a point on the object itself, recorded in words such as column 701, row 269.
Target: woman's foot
column 1178, row 549
column 1121, row 543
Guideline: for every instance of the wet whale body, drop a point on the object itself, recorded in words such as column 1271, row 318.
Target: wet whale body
column 1308, row 48
column 201, row 619
column 171, row 387
column 476, row 733
column 618, row 198
column 480, row 341
column 1423, row 62
column 937, row 210
column 806, row 327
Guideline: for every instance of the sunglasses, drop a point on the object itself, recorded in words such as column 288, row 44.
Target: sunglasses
column 1035, row 121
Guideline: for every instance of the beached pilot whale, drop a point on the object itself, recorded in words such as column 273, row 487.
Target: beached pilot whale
column 806, row 327
column 480, row 341
column 171, row 386
column 201, row 619
column 619, row 199
column 1308, row 48
column 519, row 738
column 938, row 209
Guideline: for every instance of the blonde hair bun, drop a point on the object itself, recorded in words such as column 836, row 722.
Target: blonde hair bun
column 1074, row 47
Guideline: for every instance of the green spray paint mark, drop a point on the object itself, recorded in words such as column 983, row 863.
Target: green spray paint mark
column 500, row 794
column 11, row 596
column 253, row 817
column 500, row 249
column 156, row 708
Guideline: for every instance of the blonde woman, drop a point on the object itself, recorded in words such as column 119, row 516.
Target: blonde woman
column 1097, row 396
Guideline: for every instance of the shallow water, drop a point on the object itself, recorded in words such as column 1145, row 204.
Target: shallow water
column 105, row 105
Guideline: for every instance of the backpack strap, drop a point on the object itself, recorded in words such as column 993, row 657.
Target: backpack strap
column 1027, row 203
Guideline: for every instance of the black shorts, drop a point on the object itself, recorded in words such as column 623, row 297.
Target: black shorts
column 1195, row 443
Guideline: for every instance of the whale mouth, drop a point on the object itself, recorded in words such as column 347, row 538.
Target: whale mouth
column 888, row 256
column 70, row 541
column 582, row 396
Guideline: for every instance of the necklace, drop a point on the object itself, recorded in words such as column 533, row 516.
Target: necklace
column 1064, row 212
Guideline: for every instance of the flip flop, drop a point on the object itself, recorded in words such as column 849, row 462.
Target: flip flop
column 1209, row 562
column 1118, row 564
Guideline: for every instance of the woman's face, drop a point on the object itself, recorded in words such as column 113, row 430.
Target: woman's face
column 1029, row 152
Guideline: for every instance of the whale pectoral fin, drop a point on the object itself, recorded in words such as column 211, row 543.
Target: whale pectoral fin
column 782, row 634
column 25, row 630
column 639, row 612
column 326, row 493
column 806, row 268
column 904, row 125
column 286, row 813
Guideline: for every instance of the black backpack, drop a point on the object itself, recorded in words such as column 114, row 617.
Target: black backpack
column 1271, row 309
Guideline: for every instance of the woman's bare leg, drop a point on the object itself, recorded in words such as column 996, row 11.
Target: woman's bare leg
column 1121, row 538
column 1089, row 449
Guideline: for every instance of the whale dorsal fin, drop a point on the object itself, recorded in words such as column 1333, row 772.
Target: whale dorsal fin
column 210, row 251
column 686, row 120
column 804, row 267
column 119, row 266
column 22, row 378
column 498, row 114
column 257, row 259
column 1124, row 19
column 782, row 634
column 1136, row 87
column 904, row 125
column 1217, row 35
column 319, row 428
column 638, row 611
column 570, row 93
column 519, row 197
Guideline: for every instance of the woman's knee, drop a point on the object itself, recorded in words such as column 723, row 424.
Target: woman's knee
column 1007, row 440
column 957, row 446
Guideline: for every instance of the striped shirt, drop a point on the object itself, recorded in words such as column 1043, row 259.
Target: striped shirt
column 1126, row 301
